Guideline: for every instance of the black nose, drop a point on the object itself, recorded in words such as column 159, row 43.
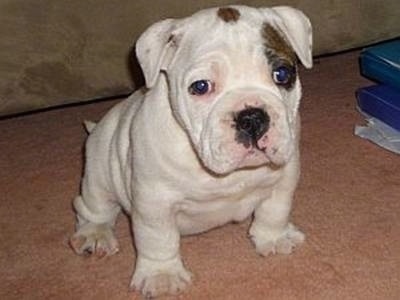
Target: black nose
column 251, row 124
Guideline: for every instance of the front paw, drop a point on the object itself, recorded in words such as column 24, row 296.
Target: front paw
column 94, row 239
column 270, row 242
column 155, row 278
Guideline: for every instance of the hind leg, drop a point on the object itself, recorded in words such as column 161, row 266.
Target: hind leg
column 95, row 227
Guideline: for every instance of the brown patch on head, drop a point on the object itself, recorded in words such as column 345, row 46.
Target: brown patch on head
column 228, row 14
column 278, row 50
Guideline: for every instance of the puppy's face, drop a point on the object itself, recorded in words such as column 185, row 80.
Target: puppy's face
column 234, row 87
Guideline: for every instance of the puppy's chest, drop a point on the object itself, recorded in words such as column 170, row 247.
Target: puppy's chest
column 212, row 203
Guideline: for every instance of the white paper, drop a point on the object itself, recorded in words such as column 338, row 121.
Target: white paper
column 380, row 134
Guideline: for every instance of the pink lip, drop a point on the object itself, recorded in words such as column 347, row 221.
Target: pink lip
column 253, row 157
column 262, row 142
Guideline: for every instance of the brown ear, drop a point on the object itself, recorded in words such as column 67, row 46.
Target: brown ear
column 297, row 29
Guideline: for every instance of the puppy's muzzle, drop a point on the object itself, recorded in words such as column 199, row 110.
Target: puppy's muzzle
column 251, row 124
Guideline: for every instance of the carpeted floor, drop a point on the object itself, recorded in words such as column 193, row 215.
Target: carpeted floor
column 348, row 204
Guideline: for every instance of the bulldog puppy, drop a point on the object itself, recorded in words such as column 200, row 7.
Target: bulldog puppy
column 212, row 138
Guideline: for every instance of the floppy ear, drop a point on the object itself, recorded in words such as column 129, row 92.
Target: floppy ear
column 155, row 49
column 296, row 27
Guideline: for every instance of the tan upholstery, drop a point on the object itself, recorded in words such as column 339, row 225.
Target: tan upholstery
column 58, row 52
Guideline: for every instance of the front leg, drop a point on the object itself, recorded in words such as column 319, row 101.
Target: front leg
column 159, row 269
column 271, row 231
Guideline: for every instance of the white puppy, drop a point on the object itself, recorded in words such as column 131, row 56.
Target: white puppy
column 213, row 138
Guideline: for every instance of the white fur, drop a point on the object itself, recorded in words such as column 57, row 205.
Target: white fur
column 170, row 160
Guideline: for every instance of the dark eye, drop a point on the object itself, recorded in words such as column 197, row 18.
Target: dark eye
column 200, row 87
column 282, row 75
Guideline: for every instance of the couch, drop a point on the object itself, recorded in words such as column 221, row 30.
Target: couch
column 54, row 53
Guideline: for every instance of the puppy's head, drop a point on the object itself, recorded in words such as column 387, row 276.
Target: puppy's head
column 233, row 80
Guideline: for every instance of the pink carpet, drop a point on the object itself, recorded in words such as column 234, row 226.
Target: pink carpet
column 348, row 204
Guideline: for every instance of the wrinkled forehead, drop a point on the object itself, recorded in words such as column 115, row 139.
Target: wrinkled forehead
column 235, row 29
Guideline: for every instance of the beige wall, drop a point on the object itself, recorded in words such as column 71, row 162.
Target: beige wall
column 57, row 52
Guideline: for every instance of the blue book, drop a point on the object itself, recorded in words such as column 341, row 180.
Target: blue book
column 382, row 63
column 382, row 102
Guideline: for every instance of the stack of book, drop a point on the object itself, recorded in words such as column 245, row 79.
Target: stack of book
column 381, row 63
